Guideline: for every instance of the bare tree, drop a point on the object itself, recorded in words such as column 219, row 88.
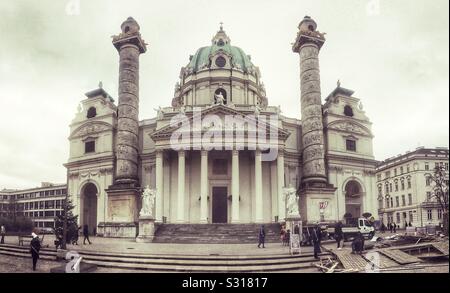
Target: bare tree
column 439, row 183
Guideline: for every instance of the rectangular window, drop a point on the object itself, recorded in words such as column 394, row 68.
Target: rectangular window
column 403, row 185
column 351, row 145
column 407, row 168
column 401, row 170
column 410, row 199
column 41, row 205
column 396, row 186
column 395, row 172
column 220, row 167
column 379, row 177
column 397, row 201
column 49, row 213
column 398, row 218
column 390, row 187
column 427, row 166
column 409, row 183
column 403, row 200
column 439, row 214
column 446, row 166
column 387, row 174
column 428, row 196
column 387, row 203
column 89, row 147
column 411, row 217
column 428, row 181
column 430, row 215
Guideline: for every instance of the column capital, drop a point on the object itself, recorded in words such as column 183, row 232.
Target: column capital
column 181, row 153
column 235, row 152
column 204, row 152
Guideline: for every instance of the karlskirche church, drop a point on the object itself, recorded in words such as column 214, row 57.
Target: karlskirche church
column 326, row 157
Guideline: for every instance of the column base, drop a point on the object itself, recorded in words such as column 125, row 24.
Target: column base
column 310, row 198
column 117, row 229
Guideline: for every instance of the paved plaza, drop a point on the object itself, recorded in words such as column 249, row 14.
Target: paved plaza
column 116, row 245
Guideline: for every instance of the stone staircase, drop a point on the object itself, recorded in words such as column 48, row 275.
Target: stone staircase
column 180, row 263
column 215, row 233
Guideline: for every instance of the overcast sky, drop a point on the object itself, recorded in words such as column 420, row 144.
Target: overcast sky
column 392, row 53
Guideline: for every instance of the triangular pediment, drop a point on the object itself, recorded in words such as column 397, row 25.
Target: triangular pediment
column 225, row 116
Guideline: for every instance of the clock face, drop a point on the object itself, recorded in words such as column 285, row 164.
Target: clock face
column 220, row 61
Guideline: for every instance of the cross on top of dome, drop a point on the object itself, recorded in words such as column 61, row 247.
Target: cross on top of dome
column 221, row 38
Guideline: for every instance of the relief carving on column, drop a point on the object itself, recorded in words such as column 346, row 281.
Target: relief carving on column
column 313, row 152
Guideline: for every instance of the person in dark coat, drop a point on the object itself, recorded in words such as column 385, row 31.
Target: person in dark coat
column 390, row 227
column 2, row 233
column 86, row 234
column 261, row 236
column 358, row 244
column 395, row 227
column 383, row 228
column 35, row 246
column 316, row 238
column 338, row 235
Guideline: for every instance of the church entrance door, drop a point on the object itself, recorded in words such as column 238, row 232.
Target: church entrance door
column 89, row 205
column 219, row 205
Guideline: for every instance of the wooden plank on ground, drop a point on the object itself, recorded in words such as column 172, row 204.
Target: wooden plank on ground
column 399, row 256
column 350, row 261
column 441, row 246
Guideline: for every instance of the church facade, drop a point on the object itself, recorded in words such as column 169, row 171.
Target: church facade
column 219, row 152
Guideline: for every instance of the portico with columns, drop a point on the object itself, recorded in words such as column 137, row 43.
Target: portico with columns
column 230, row 185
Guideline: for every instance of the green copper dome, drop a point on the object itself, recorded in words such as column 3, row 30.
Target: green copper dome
column 220, row 43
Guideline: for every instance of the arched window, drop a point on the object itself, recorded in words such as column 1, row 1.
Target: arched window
column 348, row 111
column 92, row 112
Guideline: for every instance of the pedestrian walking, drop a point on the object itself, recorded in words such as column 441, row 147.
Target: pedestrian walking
column 282, row 234
column 395, row 228
column 338, row 235
column 86, row 234
column 316, row 238
column 261, row 236
column 390, row 227
column 2, row 233
column 35, row 246
column 383, row 228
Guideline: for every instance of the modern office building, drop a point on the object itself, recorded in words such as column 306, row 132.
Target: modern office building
column 41, row 204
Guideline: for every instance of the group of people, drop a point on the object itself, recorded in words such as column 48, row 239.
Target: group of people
column 392, row 227
column 285, row 236
column 73, row 238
